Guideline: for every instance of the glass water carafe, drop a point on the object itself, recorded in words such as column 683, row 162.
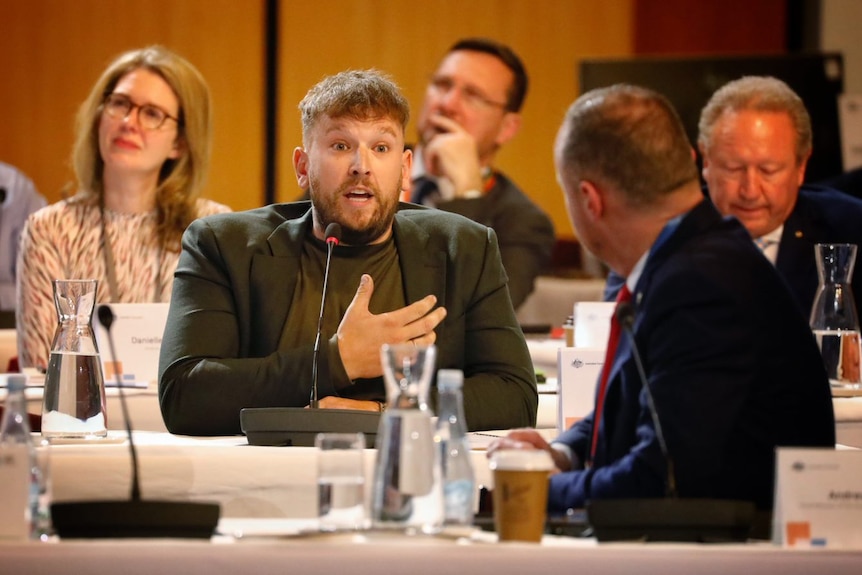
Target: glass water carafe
column 834, row 318
column 74, row 397
column 407, row 493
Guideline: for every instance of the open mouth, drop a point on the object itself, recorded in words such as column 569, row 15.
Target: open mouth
column 358, row 195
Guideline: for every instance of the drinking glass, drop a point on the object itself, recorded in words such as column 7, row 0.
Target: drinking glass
column 341, row 481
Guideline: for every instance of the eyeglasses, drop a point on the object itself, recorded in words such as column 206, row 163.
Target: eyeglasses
column 442, row 85
column 151, row 117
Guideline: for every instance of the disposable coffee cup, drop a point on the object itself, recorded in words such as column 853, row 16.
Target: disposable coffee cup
column 520, row 493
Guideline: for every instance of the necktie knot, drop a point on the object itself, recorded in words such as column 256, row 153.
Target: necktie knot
column 624, row 295
column 763, row 243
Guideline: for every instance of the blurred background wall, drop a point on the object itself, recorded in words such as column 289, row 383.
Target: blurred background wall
column 51, row 52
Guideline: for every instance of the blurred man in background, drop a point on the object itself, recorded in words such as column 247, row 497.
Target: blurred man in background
column 472, row 108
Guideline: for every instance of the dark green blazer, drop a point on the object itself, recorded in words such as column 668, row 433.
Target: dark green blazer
column 234, row 285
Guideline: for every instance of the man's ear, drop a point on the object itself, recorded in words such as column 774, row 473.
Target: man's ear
column 704, row 170
column 300, row 166
column 801, row 170
column 406, row 170
column 509, row 127
column 593, row 199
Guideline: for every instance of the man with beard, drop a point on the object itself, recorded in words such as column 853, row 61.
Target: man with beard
column 247, row 292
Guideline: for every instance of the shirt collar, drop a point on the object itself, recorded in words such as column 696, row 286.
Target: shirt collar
column 774, row 235
column 666, row 232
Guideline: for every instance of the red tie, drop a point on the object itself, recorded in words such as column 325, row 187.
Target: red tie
column 613, row 340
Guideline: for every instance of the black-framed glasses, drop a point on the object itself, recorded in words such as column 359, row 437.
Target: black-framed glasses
column 442, row 85
column 151, row 117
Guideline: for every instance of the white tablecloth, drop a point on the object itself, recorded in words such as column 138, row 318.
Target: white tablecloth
column 381, row 554
column 248, row 481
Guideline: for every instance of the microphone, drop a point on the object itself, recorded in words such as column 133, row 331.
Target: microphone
column 284, row 426
column 671, row 518
column 626, row 317
column 333, row 237
column 136, row 517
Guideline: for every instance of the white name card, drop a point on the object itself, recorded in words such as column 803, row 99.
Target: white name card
column 137, row 329
column 818, row 498
column 577, row 372
column 593, row 323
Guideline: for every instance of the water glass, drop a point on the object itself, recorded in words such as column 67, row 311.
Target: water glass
column 341, row 481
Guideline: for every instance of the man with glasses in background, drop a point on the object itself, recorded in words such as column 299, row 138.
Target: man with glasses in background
column 471, row 109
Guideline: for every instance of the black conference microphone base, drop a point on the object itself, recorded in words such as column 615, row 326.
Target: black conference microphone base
column 298, row 426
column 672, row 519
column 134, row 518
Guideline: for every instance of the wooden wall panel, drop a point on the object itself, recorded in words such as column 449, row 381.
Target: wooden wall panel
column 51, row 52
column 710, row 26
column 407, row 40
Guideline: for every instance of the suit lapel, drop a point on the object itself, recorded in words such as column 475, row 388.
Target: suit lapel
column 423, row 269
column 273, row 280
column 795, row 258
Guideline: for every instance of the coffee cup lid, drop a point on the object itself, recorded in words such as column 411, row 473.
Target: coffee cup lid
column 521, row 460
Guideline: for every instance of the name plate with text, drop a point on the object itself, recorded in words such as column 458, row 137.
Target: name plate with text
column 578, row 371
column 818, row 498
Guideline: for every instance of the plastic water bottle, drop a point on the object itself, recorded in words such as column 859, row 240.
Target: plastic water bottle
column 459, row 482
column 20, row 476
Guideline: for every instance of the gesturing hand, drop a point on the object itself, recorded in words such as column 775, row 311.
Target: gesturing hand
column 361, row 333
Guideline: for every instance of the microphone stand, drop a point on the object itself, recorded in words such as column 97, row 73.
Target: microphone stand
column 333, row 237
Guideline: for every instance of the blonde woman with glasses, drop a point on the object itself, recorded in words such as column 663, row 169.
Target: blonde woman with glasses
column 141, row 153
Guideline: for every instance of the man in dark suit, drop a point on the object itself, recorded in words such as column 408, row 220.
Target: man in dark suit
column 734, row 370
column 755, row 139
column 247, row 292
column 472, row 108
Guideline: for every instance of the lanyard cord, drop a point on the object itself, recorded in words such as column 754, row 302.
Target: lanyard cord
column 110, row 270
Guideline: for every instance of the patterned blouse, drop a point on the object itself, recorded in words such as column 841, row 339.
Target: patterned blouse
column 64, row 241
